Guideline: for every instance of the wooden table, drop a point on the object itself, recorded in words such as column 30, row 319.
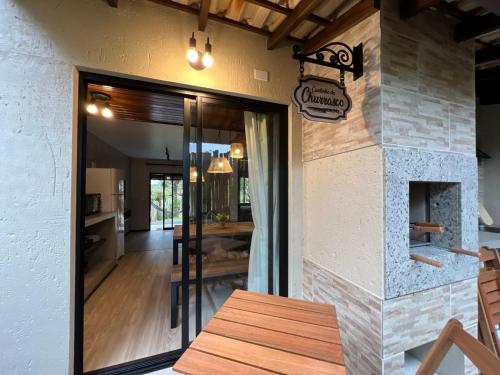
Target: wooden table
column 230, row 229
column 255, row 333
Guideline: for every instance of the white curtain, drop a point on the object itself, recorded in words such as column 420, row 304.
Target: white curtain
column 256, row 130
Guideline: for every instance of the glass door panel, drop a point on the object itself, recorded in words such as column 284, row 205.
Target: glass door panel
column 157, row 188
column 176, row 212
column 236, row 211
column 233, row 207
column 167, row 216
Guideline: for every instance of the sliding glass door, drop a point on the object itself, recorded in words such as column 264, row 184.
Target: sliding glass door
column 165, row 200
column 234, row 203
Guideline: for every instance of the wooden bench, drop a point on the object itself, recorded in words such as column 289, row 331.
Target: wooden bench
column 211, row 271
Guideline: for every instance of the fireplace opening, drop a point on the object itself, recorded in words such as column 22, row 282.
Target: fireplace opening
column 434, row 214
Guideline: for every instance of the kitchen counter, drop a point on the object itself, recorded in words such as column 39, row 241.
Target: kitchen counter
column 98, row 218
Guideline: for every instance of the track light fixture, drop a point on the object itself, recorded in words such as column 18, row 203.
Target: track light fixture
column 196, row 59
column 96, row 97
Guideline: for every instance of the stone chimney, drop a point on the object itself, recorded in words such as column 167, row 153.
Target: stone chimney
column 406, row 153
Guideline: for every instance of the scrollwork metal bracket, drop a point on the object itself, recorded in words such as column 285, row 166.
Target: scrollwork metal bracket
column 335, row 55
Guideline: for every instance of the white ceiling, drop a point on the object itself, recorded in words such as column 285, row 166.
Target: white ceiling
column 138, row 139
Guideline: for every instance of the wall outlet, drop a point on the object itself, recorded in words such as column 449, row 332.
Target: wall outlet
column 261, row 75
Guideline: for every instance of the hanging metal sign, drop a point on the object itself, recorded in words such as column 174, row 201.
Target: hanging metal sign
column 321, row 99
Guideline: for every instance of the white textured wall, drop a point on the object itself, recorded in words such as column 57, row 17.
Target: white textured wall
column 488, row 126
column 343, row 216
column 41, row 43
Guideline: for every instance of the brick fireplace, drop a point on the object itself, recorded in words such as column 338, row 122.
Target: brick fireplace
column 406, row 154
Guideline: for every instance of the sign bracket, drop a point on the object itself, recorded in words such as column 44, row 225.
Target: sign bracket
column 336, row 55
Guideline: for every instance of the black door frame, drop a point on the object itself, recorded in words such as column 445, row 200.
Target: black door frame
column 156, row 362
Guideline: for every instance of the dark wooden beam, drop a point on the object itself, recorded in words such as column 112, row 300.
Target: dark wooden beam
column 287, row 11
column 410, row 8
column 475, row 27
column 221, row 19
column 359, row 12
column 490, row 54
column 203, row 15
column 299, row 14
column 488, row 75
column 113, row 3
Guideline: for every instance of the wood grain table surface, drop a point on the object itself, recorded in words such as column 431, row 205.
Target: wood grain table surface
column 255, row 333
column 231, row 228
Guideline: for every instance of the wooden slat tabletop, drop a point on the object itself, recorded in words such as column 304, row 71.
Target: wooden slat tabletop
column 254, row 333
column 209, row 230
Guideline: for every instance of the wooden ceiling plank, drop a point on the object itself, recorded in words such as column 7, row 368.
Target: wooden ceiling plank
column 221, row 19
column 203, row 15
column 287, row 11
column 299, row 14
column 113, row 3
column 488, row 55
column 491, row 5
column 475, row 27
column 410, row 8
column 359, row 12
column 453, row 11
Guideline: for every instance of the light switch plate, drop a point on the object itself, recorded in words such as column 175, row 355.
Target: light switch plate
column 261, row 75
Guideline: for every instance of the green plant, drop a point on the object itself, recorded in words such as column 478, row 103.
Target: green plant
column 222, row 217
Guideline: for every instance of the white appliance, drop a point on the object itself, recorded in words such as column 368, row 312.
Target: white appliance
column 110, row 183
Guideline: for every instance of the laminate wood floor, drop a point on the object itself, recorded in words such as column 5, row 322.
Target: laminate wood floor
column 128, row 316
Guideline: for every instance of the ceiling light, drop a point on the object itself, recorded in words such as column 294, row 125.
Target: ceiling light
column 106, row 111
column 237, row 151
column 92, row 107
column 220, row 165
column 196, row 59
column 99, row 97
column 193, row 174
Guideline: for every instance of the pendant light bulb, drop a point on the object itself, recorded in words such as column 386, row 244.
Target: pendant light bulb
column 92, row 107
column 192, row 54
column 107, row 112
column 208, row 60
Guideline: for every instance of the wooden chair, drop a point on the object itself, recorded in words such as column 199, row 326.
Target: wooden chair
column 490, row 258
column 453, row 333
column 489, row 308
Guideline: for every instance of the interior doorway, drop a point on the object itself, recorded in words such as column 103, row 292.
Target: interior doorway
column 165, row 201
column 204, row 194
